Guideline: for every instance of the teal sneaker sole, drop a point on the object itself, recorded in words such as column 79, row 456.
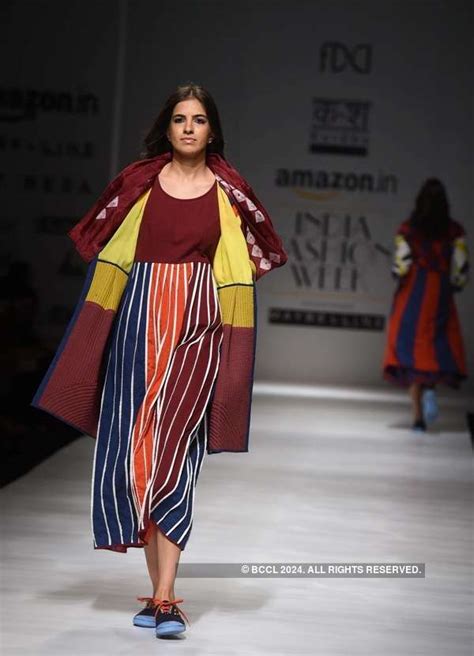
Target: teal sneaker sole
column 169, row 628
column 144, row 622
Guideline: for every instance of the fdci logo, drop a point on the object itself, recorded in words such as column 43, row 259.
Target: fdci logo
column 335, row 57
column 340, row 127
column 18, row 105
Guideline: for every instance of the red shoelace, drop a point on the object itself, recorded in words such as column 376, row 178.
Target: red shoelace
column 164, row 605
column 149, row 601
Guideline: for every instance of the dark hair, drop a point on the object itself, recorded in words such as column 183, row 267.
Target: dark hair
column 156, row 142
column 431, row 213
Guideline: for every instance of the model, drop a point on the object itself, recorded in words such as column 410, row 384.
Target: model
column 424, row 341
column 157, row 361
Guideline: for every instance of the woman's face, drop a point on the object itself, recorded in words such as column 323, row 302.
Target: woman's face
column 189, row 130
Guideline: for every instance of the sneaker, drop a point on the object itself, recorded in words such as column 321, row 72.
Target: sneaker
column 419, row 426
column 146, row 617
column 430, row 405
column 169, row 618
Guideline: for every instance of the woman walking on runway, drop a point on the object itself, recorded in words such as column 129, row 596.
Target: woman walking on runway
column 157, row 361
column 424, row 341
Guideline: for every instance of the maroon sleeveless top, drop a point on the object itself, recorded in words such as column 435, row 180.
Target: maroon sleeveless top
column 178, row 229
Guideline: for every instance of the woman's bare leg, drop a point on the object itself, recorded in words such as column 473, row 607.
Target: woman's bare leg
column 151, row 555
column 168, row 554
column 415, row 393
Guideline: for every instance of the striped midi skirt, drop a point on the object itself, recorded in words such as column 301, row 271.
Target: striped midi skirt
column 163, row 359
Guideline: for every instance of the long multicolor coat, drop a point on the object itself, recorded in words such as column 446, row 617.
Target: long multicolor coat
column 106, row 238
column 424, row 340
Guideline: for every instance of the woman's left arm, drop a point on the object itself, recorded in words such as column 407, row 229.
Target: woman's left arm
column 402, row 257
column 459, row 263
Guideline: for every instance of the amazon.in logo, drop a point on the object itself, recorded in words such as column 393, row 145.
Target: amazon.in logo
column 17, row 104
column 335, row 57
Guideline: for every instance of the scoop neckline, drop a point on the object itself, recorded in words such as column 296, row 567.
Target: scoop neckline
column 193, row 198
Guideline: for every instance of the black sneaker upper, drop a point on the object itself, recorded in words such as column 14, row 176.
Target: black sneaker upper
column 168, row 614
column 148, row 611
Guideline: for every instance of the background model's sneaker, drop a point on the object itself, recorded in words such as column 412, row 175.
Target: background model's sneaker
column 430, row 405
column 146, row 617
column 169, row 618
column 419, row 426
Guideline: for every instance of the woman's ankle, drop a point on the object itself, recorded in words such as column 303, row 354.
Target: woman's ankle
column 164, row 593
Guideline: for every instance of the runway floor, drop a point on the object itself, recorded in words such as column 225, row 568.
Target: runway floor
column 324, row 481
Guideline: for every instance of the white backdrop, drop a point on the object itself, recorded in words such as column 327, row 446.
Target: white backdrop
column 294, row 82
column 262, row 61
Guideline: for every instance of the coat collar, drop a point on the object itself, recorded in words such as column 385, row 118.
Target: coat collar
column 93, row 231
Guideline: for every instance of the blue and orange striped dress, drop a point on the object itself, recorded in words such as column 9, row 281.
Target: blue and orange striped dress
column 163, row 360
column 424, row 340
